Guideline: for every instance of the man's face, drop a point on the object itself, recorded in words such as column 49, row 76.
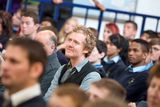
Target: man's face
column 44, row 38
column 155, row 52
column 75, row 45
column 97, row 93
column 129, row 32
column 136, row 56
column 28, row 27
column 61, row 101
column 16, row 68
column 154, row 92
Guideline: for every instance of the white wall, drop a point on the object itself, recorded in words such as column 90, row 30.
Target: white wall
column 149, row 7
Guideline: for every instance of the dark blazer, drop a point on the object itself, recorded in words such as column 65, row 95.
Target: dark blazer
column 62, row 58
column 34, row 102
column 141, row 104
column 135, row 84
column 113, row 70
column 50, row 70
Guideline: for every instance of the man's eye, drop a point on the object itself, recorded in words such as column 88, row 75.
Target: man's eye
column 13, row 61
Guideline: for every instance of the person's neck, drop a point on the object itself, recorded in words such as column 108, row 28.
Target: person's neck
column 131, row 37
column 15, row 89
column 139, row 64
column 98, row 62
column 76, row 61
column 110, row 57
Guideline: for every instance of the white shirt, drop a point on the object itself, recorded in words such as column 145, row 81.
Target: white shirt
column 24, row 95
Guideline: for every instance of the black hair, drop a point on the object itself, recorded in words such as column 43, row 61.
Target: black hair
column 151, row 33
column 49, row 19
column 31, row 14
column 101, row 46
column 121, row 43
column 145, row 45
column 133, row 23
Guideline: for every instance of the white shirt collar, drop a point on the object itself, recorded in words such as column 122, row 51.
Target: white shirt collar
column 138, row 69
column 115, row 59
column 25, row 95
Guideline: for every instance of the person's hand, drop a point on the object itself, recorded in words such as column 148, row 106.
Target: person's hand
column 131, row 104
column 99, row 5
column 61, row 46
column 57, row 1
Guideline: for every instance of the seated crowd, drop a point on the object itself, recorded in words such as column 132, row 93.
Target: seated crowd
column 43, row 67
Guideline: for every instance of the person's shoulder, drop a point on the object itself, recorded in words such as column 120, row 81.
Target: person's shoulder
column 34, row 102
column 142, row 104
column 121, row 64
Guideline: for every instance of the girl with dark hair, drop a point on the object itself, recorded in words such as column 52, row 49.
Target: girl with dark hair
column 113, row 62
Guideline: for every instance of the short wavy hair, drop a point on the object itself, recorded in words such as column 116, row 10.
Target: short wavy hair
column 90, row 41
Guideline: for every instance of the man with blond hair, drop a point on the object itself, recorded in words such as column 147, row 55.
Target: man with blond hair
column 79, row 44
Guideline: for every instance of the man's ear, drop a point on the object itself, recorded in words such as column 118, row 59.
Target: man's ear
column 37, row 26
column 86, row 50
column 36, row 70
column 145, row 55
column 53, row 46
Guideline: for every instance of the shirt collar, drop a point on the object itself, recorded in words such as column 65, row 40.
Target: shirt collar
column 98, row 65
column 79, row 66
column 115, row 59
column 139, row 68
column 149, row 65
column 24, row 95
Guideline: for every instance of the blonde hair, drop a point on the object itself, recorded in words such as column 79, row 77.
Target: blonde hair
column 62, row 34
column 90, row 41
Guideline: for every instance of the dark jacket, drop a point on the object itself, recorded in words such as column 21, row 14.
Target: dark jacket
column 113, row 70
column 135, row 84
column 50, row 70
column 141, row 104
column 62, row 58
